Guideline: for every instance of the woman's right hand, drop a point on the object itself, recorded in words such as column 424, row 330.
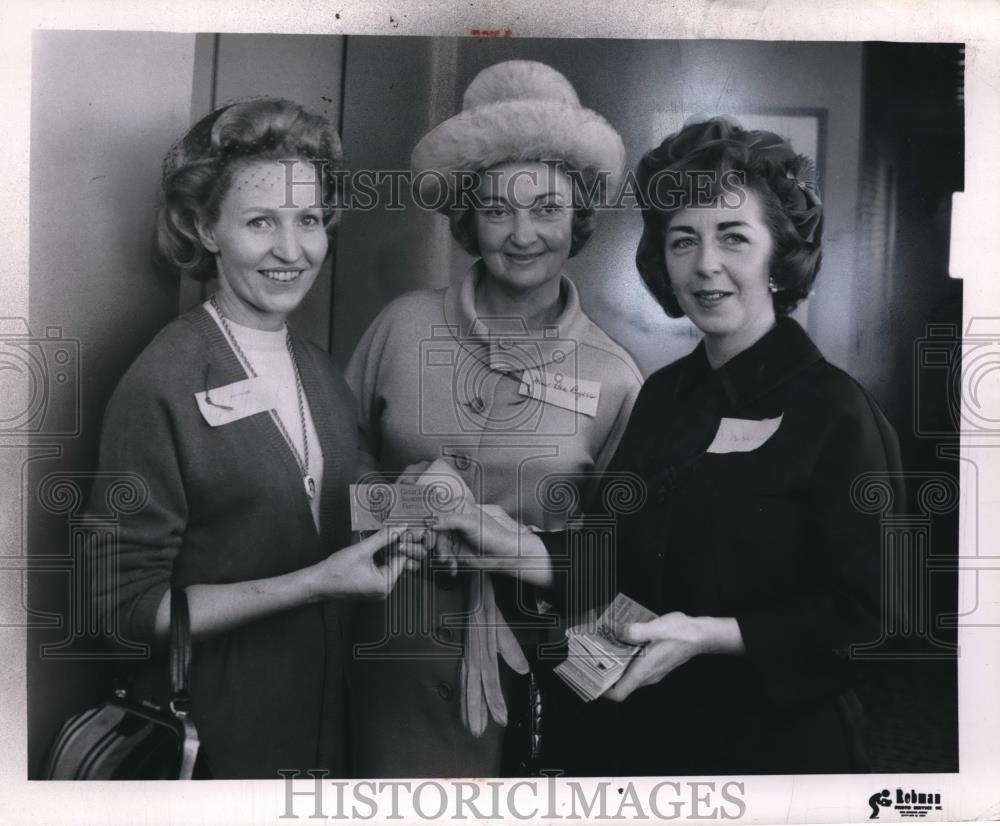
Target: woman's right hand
column 353, row 571
column 412, row 473
column 504, row 545
column 349, row 572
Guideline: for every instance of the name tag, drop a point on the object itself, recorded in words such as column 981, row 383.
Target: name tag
column 232, row 402
column 570, row 393
column 743, row 435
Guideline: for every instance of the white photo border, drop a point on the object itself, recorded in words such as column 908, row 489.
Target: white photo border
column 970, row 794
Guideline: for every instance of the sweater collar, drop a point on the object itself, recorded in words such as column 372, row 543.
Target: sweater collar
column 227, row 362
column 232, row 370
column 509, row 341
column 779, row 354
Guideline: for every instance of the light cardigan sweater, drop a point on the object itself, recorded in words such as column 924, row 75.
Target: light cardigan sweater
column 226, row 504
column 433, row 379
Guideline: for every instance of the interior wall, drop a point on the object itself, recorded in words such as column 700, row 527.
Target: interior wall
column 913, row 161
column 395, row 89
column 632, row 83
column 98, row 135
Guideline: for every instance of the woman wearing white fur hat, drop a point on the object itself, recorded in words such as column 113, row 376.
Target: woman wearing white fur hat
column 506, row 378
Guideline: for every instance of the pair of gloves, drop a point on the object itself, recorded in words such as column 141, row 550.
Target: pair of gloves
column 487, row 635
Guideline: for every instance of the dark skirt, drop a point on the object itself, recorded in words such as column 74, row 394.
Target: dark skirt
column 668, row 729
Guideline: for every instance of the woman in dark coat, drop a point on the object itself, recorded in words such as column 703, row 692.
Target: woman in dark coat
column 747, row 544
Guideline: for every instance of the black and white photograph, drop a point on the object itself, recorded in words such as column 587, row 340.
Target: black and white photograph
column 443, row 412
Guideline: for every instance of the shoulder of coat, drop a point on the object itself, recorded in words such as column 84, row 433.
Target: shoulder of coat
column 413, row 307
column 171, row 352
column 612, row 360
column 840, row 391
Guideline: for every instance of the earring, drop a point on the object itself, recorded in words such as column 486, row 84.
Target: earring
column 771, row 286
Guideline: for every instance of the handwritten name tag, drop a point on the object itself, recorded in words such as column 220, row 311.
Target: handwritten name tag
column 232, row 402
column 743, row 435
column 563, row 391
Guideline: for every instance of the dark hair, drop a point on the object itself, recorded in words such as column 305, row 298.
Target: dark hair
column 585, row 182
column 755, row 161
column 199, row 168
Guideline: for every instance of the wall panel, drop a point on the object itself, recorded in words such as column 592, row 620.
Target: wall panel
column 106, row 106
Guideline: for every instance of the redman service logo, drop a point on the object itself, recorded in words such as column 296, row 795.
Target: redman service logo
column 905, row 804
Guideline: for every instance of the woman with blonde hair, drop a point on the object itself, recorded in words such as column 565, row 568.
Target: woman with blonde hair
column 244, row 436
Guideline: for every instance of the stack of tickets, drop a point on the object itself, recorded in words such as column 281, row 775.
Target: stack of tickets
column 596, row 657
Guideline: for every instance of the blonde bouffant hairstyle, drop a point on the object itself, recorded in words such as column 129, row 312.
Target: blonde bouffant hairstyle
column 198, row 171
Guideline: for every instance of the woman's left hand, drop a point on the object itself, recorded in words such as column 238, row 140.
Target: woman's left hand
column 670, row 641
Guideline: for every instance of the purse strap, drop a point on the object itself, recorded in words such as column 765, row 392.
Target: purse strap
column 180, row 653
column 180, row 680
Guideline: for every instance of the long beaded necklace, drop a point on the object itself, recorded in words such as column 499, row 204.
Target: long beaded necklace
column 302, row 460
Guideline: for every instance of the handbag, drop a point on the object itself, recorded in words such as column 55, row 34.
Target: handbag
column 125, row 739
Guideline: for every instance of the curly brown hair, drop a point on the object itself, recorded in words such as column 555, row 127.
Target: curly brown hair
column 697, row 161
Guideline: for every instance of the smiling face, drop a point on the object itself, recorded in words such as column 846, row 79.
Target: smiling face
column 525, row 227
column 268, row 249
column 718, row 260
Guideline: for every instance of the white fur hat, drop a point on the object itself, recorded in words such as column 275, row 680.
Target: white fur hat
column 520, row 110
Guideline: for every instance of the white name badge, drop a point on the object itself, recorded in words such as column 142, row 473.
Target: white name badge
column 743, row 435
column 232, row 402
column 569, row 393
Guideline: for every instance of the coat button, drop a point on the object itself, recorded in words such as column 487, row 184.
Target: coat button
column 445, row 634
column 462, row 462
column 477, row 404
column 444, row 691
column 503, row 344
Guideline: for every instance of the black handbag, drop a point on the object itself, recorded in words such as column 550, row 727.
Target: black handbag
column 125, row 739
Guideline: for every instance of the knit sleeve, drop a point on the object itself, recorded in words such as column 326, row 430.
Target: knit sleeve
column 132, row 569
